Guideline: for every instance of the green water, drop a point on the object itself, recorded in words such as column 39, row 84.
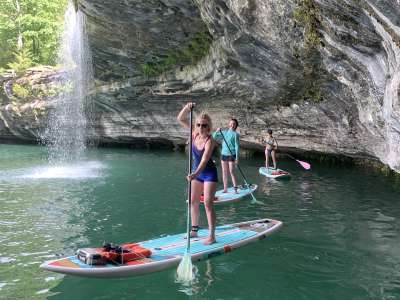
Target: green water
column 340, row 238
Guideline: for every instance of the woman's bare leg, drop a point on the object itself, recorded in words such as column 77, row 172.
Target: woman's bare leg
column 266, row 158
column 273, row 158
column 209, row 194
column 224, row 166
column 197, row 189
column 232, row 166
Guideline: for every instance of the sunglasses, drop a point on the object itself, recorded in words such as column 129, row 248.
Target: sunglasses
column 202, row 125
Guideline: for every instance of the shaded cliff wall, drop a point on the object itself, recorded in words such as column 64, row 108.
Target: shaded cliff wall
column 324, row 75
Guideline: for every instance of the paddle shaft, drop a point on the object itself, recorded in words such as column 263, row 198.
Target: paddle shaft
column 290, row 156
column 189, row 183
column 304, row 164
column 240, row 170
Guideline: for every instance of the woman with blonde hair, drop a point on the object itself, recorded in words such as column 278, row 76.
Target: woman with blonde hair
column 204, row 175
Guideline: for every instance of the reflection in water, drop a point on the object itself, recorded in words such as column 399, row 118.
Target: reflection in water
column 305, row 189
column 269, row 184
column 201, row 283
column 189, row 288
column 227, row 213
column 209, row 279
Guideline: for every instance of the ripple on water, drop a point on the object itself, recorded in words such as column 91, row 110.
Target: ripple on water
column 5, row 260
column 33, row 253
column 41, row 292
column 8, row 223
column 50, row 278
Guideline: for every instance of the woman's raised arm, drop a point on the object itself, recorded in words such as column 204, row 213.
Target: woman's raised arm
column 183, row 114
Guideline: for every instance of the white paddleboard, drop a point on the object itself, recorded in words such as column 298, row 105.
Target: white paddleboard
column 274, row 173
column 231, row 195
column 167, row 252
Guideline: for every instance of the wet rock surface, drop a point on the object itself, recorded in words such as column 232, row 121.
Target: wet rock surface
column 25, row 101
column 324, row 75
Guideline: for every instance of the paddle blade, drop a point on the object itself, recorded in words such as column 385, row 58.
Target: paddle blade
column 255, row 201
column 185, row 272
column 304, row 164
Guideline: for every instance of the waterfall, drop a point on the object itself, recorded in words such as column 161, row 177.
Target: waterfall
column 66, row 131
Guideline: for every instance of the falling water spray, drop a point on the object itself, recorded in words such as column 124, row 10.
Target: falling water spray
column 66, row 132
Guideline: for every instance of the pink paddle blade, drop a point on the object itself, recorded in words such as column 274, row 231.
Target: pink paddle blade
column 304, row 164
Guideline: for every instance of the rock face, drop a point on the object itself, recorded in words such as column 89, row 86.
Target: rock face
column 324, row 75
column 25, row 101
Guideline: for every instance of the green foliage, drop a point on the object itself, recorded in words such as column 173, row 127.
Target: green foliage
column 313, row 93
column 196, row 49
column 22, row 62
column 47, row 91
column 385, row 170
column 26, row 90
column 20, row 91
column 306, row 15
column 38, row 22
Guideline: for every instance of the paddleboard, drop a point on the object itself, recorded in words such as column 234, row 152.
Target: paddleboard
column 231, row 195
column 167, row 251
column 274, row 173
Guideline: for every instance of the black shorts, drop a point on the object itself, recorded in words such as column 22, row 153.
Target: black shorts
column 228, row 157
column 269, row 151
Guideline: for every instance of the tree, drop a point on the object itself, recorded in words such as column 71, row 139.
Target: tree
column 22, row 61
column 34, row 24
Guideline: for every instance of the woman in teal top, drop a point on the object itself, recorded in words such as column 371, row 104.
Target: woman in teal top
column 229, row 152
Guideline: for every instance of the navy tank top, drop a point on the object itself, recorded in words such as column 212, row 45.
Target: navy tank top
column 198, row 155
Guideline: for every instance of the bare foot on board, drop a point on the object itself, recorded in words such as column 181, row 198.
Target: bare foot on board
column 209, row 241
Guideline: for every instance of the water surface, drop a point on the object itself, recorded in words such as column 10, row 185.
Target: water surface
column 340, row 238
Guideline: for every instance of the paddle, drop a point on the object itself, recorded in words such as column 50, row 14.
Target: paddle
column 240, row 170
column 304, row 164
column 185, row 272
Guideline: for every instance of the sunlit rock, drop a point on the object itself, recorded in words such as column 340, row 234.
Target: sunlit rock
column 324, row 75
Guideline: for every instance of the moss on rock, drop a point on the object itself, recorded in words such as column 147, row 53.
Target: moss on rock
column 196, row 49
column 307, row 15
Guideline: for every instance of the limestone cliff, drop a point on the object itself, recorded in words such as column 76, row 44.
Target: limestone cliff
column 323, row 74
column 25, row 102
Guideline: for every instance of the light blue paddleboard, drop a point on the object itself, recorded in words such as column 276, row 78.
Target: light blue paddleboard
column 274, row 173
column 233, row 196
column 167, row 252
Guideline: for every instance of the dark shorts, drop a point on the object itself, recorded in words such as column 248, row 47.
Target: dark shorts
column 228, row 157
column 269, row 151
column 208, row 176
